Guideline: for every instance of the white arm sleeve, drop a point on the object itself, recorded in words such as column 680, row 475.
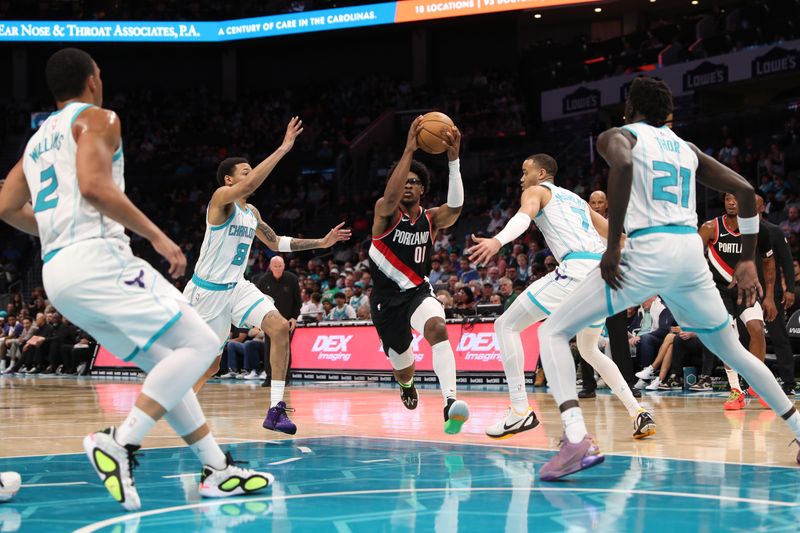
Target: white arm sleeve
column 455, row 188
column 285, row 244
column 516, row 226
column 748, row 225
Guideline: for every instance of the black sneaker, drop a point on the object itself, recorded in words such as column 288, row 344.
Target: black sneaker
column 703, row 385
column 587, row 393
column 636, row 392
column 788, row 390
column 643, row 426
column 409, row 396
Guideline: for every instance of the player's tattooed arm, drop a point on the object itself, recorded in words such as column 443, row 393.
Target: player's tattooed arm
column 273, row 241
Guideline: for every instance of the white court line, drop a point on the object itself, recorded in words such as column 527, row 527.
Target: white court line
column 180, row 475
column 283, row 462
column 304, row 449
column 66, row 484
column 376, row 461
column 615, row 454
column 132, row 516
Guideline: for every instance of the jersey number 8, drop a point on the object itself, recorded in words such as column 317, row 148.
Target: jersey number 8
column 241, row 254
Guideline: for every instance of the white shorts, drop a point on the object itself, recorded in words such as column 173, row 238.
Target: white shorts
column 666, row 261
column 549, row 291
column 221, row 305
column 116, row 297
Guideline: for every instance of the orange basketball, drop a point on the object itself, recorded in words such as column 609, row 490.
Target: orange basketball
column 434, row 124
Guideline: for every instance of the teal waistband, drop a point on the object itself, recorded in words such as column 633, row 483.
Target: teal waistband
column 49, row 255
column 582, row 255
column 679, row 230
column 211, row 286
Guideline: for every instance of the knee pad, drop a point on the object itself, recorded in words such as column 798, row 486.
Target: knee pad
column 403, row 360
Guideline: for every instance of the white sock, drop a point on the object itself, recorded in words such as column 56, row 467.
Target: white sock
column 733, row 379
column 276, row 392
column 444, row 365
column 134, row 428
column 209, row 452
column 794, row 424
column 519, row 396
column 574, row 427
column 587, row 346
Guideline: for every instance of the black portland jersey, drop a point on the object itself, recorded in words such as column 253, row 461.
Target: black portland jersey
column 725, row 250
column 400, row 258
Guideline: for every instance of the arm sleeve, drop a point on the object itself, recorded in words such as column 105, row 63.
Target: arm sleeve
column 764, row 242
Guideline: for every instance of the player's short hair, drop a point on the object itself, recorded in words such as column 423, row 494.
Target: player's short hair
column 66, row 72
column 417, row 168
column 226, row 168
column 546, row 162
column 652, row 98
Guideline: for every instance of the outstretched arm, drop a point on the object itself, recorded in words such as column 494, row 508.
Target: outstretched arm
column 486, row 248
column 15, row 207
column 388, row 204
column 290, row 244
column 446, row 214
column 616, row 149
column 224, row 196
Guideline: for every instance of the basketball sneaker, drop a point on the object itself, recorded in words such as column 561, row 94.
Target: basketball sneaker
column 9, row 485
column 278, row 420
column 409, row 396
column 754, row 394
column 735, row 401
column 643, row 425
column 232, row 480
column 114, row 464
column 703, row 385
column 647, row 373
column 456, row 412
column 513, row 423
column 655, row 384
column 571, row 458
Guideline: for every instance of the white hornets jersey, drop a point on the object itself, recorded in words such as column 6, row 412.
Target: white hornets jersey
column 49, row 164
column 566, row 224
column 223, row 256
column 663, row 191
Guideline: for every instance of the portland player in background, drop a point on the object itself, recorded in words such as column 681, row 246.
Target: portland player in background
column 723, row 244
column 655, row 170
column 218, row 290
column 402, row 298
column 574, row 233
column 72, row 171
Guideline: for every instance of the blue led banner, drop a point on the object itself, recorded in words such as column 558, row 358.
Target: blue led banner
column 269, row 26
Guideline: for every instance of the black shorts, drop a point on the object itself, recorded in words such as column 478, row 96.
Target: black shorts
column 391, row 314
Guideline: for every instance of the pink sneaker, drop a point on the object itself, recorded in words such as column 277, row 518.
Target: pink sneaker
column 572, row 458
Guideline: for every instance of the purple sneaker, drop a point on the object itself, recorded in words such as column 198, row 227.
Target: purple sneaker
column 571, row 458
column 278, row 421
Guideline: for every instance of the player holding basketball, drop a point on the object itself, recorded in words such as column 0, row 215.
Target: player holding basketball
column 402, row 298
column 655, row 170
column 573, row 232
column 723, row 241
column 218, row 290
column 72, row 168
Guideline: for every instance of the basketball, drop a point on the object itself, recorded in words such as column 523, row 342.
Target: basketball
column 431, row 138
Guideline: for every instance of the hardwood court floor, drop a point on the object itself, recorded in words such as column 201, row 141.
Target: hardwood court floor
column 361, row 462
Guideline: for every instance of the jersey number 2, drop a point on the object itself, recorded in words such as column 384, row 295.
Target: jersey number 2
column 671, row 180
column 47, row 198
column 241, row 254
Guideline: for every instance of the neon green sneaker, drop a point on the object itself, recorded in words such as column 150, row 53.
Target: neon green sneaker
column 114, row 464
column 456, row 412
column 232, row 480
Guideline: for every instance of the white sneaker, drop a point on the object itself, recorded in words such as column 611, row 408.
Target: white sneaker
column 641, row 384
column 654, row 384
column 232, row 480
column 81, row 369
column 647, row 373
column 512, row 424
column 253, row 375
column 114, row 464
column 241, row 375
column 230, row 375
column 263, row 375
column 9, row 485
